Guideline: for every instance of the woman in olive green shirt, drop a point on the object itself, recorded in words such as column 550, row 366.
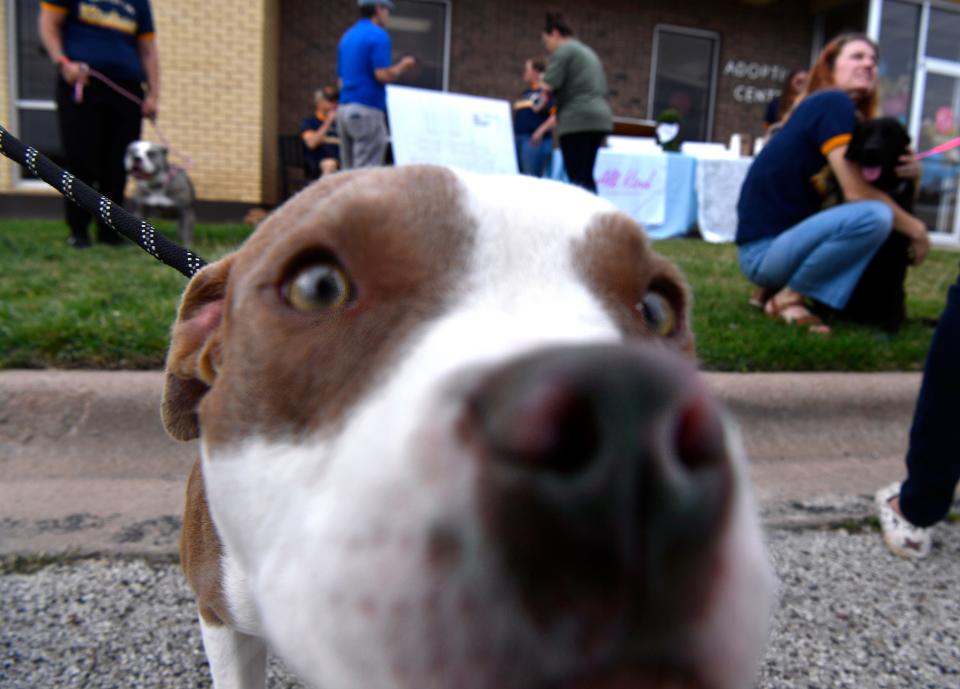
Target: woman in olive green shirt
column 575, row 77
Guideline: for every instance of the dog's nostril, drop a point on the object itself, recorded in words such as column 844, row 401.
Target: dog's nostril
column 548, row 427
column 698, row 438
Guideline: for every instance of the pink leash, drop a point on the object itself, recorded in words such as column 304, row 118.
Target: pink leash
column 942, row 148
column 78, row 98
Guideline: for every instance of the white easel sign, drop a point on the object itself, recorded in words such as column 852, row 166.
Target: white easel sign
column 468, row 132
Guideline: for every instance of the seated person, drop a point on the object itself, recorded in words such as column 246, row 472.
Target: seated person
column 321, row 147
column 534, row 148
column 785, row 241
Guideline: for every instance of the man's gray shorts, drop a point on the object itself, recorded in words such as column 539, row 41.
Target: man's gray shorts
column 363, row 135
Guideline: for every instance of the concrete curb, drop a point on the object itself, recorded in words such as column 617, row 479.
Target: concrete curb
column 87, row 466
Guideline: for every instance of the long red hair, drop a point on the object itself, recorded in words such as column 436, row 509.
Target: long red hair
column 821, row 74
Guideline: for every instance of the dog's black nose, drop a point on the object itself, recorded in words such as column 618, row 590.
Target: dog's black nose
column 605, row 477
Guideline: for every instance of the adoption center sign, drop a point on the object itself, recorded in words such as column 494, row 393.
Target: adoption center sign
column 461, row 131
column 636, row 183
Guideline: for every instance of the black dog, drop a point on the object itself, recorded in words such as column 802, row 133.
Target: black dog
column 879, row 297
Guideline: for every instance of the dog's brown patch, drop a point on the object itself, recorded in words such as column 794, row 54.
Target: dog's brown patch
column 201, row 551
column 401, row 239
column 619, row 266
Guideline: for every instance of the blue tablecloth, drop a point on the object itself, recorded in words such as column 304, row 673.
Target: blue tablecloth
column 681, row 209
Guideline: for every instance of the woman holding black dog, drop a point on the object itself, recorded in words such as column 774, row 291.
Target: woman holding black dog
column 785, row 242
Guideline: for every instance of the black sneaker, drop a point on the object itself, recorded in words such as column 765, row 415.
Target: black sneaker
column 78, row 242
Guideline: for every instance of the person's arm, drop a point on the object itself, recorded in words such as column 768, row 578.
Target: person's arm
column 50, row 27
column 388, row 75
column 313, row 138
column 541, row 131
column 908, row 167
column 147, row 47
column 546, row 96
column 856, row 188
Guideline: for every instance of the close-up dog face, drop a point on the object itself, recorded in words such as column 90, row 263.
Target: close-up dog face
column 453, row 438
column 145, row 160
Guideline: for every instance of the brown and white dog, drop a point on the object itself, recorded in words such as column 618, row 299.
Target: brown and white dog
column 453, row 439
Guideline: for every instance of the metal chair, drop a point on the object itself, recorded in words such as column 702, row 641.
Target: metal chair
column 293, row 168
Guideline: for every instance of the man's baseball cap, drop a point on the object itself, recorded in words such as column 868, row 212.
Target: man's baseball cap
column 370, row 3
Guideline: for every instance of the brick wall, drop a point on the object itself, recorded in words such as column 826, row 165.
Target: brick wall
column 214, row 87
column 490, row 40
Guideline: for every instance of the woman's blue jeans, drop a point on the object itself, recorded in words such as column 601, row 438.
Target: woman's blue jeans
column 933, row 460
column 534, row 159
column 823, row 256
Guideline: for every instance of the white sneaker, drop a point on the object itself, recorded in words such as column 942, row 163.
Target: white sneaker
column 902, row 537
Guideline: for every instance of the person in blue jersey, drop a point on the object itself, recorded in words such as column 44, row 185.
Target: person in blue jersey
column 97, row 122
column 785, row 242
column 321, row 147
column 364, row 67
column 531, row 125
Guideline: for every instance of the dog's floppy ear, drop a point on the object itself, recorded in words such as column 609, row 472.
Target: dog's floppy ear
column 195, row 350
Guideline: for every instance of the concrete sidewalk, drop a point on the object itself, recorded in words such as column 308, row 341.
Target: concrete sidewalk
column 85, row 464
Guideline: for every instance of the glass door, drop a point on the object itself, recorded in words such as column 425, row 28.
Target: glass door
column 936, row 120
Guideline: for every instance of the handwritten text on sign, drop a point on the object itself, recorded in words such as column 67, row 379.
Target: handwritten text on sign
column 451, row 129
column 634, row 183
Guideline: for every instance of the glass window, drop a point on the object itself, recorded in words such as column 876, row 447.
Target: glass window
column 943, row 38
column 899, row 31
column 844, row 16
column 36, row 77
column 684, row 79
column 419, row 28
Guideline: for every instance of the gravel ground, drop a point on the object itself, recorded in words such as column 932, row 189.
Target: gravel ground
column 850, row 615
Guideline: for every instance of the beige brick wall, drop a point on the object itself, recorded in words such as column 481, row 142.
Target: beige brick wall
column 218, row 98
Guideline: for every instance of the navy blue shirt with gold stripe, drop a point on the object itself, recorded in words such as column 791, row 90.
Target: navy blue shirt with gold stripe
column 104, row 34
column 779, row 189
column 525, row 120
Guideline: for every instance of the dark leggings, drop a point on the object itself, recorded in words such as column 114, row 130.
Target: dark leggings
column 95, row 135
column 579, row 156
column 933, row 460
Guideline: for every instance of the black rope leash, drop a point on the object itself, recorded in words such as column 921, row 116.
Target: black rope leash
column 130, row 226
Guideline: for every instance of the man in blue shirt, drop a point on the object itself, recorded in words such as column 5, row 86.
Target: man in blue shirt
column 364, row 68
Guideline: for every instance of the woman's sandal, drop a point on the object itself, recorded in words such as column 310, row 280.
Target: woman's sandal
column 793, row 311
column 760, row 296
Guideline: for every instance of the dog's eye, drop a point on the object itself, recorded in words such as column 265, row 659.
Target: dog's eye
column 658, row 314
column 317, row 286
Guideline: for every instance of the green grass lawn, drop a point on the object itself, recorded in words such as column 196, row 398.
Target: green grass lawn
column 104, row 307
column 112, row 307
